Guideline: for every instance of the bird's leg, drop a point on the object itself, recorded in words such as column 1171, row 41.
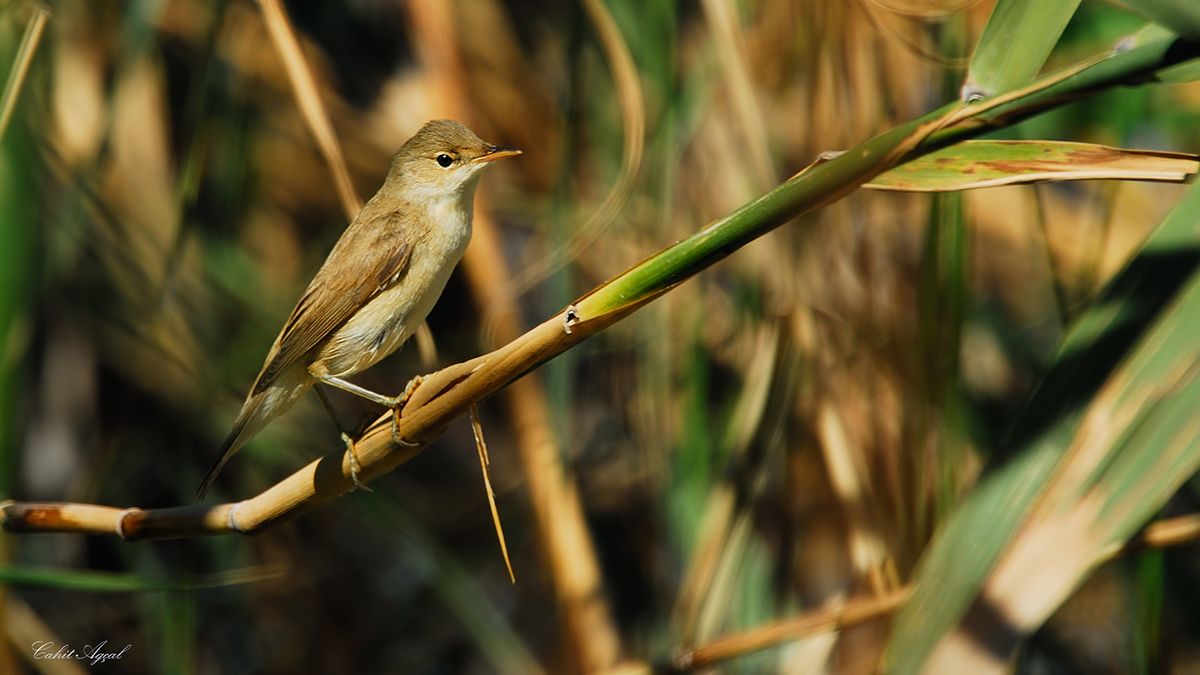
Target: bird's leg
column 395, row 403
column 355, row 466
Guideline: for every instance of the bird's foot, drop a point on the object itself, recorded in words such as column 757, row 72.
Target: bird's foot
column 355, row 466
column 396, row 403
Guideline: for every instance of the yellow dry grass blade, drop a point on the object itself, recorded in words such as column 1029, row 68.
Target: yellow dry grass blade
column 477, row 428
column 980, row 164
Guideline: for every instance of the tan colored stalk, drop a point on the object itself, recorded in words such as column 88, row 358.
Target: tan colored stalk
column 304, row 87
column 592, row 638
column 25, row 52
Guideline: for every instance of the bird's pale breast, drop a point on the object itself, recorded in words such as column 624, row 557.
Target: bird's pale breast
column 392, row 316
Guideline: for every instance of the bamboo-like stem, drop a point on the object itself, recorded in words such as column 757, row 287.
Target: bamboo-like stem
column 449, row 393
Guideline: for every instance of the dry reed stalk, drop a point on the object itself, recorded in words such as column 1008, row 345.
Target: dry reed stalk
column 594, row 642
column 852, row 613
column 24, row 57
column 725, row 510
column 305, row 89
column 484, row 461
column 850, row 481
column 633, row 119
column 23, row 628
column 731, row 50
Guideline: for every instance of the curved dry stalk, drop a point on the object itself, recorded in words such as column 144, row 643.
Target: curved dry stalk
column 633, row 117
column 912, row 45
column 304, row 86
column 1163, row 534
column 25, row 52
column 931, row 14
column 730, row 45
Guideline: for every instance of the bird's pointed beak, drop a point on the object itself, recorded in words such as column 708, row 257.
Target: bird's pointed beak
column 491, row 153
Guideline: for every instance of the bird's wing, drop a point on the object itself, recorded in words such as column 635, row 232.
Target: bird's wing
column 368, row 259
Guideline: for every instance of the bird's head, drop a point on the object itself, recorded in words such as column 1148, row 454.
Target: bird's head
column 443, row 159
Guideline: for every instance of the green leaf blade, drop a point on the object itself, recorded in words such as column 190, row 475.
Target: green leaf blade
column 1018, row 38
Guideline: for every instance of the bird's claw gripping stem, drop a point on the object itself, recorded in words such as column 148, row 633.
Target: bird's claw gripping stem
column 396, row 404
column 355, row 466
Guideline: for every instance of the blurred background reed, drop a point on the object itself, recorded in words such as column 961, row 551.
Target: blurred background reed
column 780, row 434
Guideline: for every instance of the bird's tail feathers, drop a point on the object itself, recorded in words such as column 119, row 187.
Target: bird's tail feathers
column 227, row 450
column 238, row 437
column 259, row 409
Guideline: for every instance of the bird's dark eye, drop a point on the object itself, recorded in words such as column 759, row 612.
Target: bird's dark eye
column 445, row 160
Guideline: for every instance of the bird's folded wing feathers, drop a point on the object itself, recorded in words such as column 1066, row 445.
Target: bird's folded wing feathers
column 379, row 257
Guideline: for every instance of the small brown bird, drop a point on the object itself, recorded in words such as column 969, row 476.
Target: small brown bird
column 378, row 284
